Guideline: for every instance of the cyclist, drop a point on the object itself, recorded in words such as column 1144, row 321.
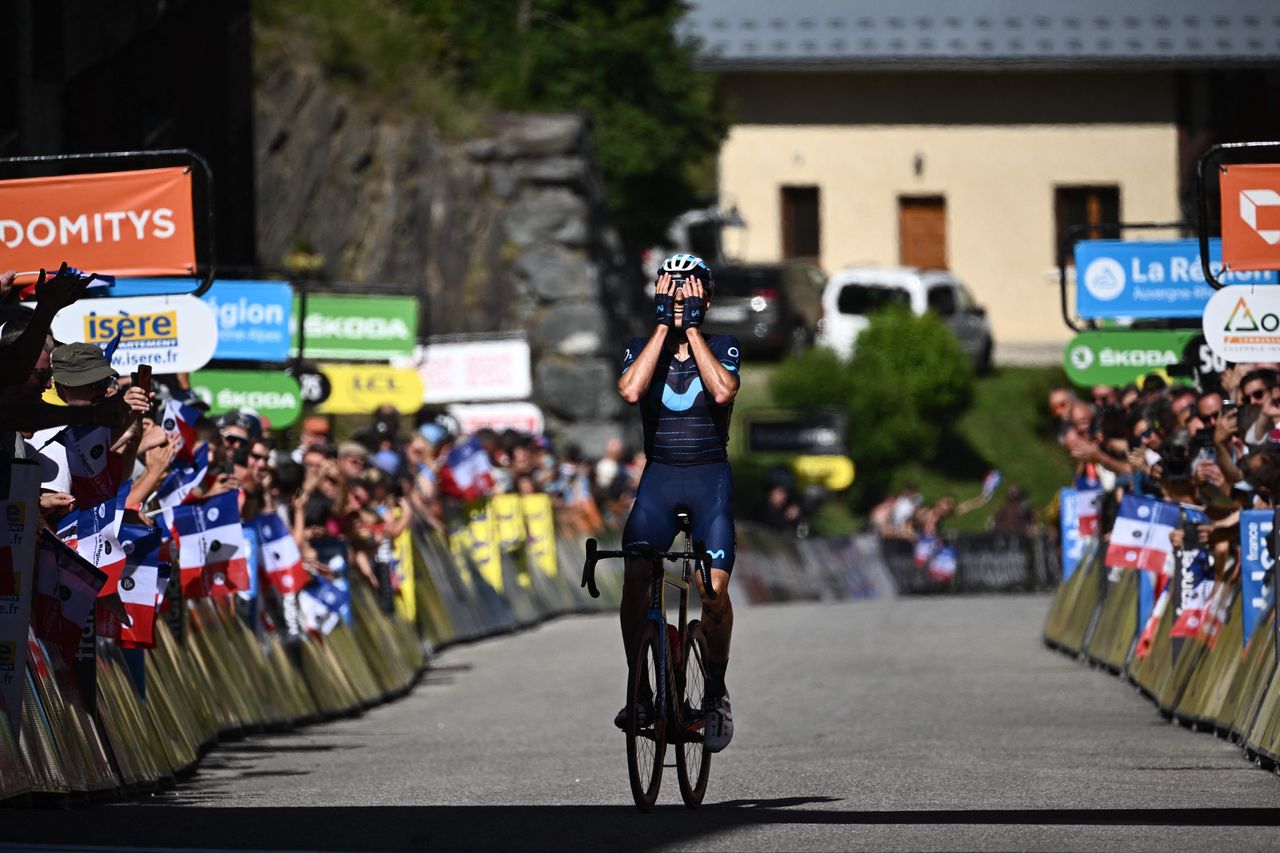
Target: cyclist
column 685, row 384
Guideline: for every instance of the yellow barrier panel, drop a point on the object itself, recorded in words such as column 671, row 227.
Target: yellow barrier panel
column 407, row 599
column 1064, row 598
column 1088, row 598
column 1252, row 679
column 1117, row 623
column 1224, row 641
column 540, row 530
column 433, row 617
column 485, row 552
column 39, row 749
column 15, row 781
column 508, row 517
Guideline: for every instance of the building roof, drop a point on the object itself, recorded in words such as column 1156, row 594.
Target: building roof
column 865, row 34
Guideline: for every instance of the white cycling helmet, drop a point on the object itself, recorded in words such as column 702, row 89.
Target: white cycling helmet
column 681, row 267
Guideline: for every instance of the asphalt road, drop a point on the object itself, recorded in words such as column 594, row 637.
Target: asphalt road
column 937, row 723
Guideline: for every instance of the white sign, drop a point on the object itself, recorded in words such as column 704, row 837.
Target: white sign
column 1242, row 323
column 173, row 334
column 521, row 417
column 471, row 372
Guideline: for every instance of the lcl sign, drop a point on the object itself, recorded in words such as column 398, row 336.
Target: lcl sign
column 1250, row 216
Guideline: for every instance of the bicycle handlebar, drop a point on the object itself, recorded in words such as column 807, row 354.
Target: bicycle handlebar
column 594, row 554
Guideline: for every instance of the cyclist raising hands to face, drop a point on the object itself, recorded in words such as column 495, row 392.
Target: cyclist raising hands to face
column 684, row 383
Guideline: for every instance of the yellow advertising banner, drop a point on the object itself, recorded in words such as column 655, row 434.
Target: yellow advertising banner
column 540, row 525
column 460, row 549
column 358, row 389
column 508, row 514
column 486, row 555
column 406, row 601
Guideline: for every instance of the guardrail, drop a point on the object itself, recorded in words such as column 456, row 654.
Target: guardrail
column 1207, row 679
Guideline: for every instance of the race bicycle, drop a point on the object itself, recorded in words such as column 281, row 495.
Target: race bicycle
column 670, row 666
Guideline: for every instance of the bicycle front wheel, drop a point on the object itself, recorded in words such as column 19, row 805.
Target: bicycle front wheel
column 693, row 761
column 646, row 739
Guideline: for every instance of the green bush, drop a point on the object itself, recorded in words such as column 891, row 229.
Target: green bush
column 903, row 390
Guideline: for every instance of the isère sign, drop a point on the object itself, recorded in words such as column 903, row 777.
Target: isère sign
column 173, row 334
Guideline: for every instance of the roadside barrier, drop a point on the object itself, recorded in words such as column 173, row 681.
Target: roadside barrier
column 134, row 720
column 151, row 714
column 772, row 567
column 1200, row 673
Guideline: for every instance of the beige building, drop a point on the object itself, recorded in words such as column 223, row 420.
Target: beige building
column 863, row 134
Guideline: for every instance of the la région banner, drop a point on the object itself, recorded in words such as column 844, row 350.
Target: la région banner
column 123, row 223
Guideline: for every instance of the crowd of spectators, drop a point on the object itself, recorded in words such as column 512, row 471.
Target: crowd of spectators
column 356, row 494
column 1213, row 447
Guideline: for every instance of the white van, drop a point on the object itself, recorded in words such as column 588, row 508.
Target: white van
column 855, row 292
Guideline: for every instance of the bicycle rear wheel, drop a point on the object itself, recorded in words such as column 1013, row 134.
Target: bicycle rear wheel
column 693, row 761
column 646, row 746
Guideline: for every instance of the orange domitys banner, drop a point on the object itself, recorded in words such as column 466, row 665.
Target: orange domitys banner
column 121, row 223
column 1250, row 216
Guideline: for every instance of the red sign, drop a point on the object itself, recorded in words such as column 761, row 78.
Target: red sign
column 1251, row 216
column 119, row 223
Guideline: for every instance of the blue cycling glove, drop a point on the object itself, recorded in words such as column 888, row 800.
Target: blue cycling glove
column 664, row 308
column 695, row 310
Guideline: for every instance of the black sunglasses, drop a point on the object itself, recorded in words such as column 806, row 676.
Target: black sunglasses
column 1258, row 395
column 235, row 439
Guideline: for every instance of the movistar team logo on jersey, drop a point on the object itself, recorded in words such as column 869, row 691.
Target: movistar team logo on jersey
column 682, row 402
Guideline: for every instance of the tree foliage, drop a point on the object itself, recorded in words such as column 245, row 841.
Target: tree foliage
column 903, row 390
column 654, row 117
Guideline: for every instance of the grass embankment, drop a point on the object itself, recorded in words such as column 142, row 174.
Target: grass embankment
column 1006, row 428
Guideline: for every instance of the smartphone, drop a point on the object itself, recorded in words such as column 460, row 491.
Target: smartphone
column 142, row 377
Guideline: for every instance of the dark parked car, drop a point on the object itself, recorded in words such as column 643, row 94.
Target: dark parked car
column 769, row 308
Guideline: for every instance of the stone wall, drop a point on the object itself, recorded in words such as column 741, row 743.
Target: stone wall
column 499, row 233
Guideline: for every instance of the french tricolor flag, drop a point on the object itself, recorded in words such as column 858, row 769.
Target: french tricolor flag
column 178, row 487
column 942, row 566
column 212, row 556
column 1192, row 586
column 467, row 473
column 1140, row 538
column 1087, row 511
column 138, row 584
column 65, row 591
column 97, row 532
column 179, row 424
column 280, row 555
column 95, row 470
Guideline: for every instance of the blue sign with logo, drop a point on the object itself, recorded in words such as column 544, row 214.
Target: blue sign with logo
column 1072, row 542
column 1130, row 278
column 253, row 316
column 1257, row 587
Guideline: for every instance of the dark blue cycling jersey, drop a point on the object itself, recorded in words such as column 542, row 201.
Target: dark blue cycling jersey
column 685, row 435
column 682, row 423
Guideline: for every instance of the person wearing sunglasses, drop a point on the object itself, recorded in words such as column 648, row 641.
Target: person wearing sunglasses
column 1258, row 390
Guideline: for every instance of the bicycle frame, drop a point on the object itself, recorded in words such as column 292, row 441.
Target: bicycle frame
column 660, row 579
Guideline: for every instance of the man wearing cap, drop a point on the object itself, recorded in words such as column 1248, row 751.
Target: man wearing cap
column 82, row 378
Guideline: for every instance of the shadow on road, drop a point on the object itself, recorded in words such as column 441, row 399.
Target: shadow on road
column 595, row 828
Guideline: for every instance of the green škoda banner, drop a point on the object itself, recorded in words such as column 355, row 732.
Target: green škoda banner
column 356, row 327
column 274, row 396
column 1119, row 357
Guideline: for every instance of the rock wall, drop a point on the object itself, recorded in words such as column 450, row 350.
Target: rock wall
column 499, row 233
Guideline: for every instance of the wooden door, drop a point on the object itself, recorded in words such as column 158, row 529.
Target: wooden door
column 801, row 223
column 922, row 232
